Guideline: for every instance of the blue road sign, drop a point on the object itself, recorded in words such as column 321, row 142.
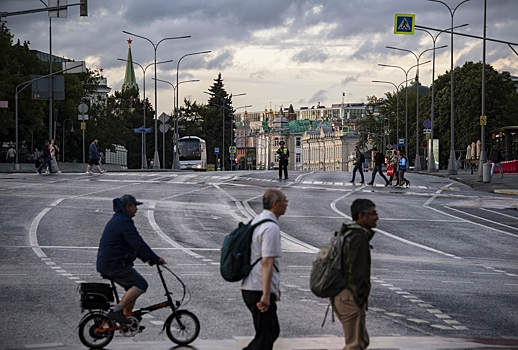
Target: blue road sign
column 394, row 146
column 216, row 150
column 401, row 141
column 404, row 23
column 146, row 130
column 427, row 123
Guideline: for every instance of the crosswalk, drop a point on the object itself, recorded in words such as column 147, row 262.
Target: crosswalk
column 184, row 178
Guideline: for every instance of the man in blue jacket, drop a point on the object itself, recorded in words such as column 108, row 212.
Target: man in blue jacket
column 120, row 246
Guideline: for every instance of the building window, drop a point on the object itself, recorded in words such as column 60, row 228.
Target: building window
column 276, row 141
column 297, row 158
column 276, row 158
column 297, row 142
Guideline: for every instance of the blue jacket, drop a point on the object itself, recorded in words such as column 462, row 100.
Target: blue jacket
column 121, row 243
column 93, row 153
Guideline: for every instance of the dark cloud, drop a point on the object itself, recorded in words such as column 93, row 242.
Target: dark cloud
column 310, row 55
column 348, row 80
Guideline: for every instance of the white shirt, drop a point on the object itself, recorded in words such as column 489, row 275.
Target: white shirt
column 266, row 243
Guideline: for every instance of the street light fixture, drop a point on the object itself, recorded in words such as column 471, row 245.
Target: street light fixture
column 156, row 161
column 232, row 129
column 174, row 103
column 176, row 159
column 224, row 99
column 451, row 163
column 71, row 130
column 431, row 160
column 417, row 164
column 406, row 97
column 144, row 158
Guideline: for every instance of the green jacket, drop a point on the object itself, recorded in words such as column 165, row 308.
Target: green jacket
column 357, row 261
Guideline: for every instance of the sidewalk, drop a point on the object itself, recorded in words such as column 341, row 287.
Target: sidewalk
column 506, row 185
column 321, row 343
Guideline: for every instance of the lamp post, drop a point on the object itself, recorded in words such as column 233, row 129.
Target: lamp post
column 232, row 129
column 144, row 159
column 224, row 99
column 406, row 98
column 71, row 130
column 483, row 155
column 156, row 161
column 176, row 159
column 174, row 103
column 417, row 164
column 451, row 163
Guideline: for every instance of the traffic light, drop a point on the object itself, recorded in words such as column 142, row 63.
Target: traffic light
column 83, row 8
column 333, row 126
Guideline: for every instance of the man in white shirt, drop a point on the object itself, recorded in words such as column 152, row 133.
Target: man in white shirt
column 260, row 289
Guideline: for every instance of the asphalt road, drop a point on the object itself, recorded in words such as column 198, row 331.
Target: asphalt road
column 444, row 257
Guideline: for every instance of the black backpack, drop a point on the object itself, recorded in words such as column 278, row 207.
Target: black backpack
column 362, row 158
column 236, row 252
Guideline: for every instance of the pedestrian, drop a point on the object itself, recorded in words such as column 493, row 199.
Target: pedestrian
column 394, row 162
column 261, row 288
column 359, row 159
column 11, row 154
column 403, row 162
column 284, row 155
column 350, row 304
column 94, row 156
column 47, row 157
column 36, row 155
column 54, row 149
column 120, row 245
column 497, row 158
column 379, row 161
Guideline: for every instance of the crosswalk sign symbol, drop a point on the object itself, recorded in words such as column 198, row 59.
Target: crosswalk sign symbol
column 404, row 24
column 345, row 129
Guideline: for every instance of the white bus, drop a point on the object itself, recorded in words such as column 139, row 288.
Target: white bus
column 192, row 152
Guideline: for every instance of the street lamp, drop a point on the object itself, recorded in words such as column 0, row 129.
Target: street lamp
column 71, row 130
column 232, row 129
column 417, row 164
column 174, row 103
column 406, row 98
column 144, row 158
column 451, row 163
column 156, row 161
column 397, row 105
column 431, row 160
column 224, row 99
column 176, row 159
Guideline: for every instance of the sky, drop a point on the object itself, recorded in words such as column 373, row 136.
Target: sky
column 276, row 51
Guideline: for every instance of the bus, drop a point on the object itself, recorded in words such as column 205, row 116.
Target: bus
column 192, row 152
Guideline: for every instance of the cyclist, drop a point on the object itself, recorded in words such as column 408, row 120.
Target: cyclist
column 120, row 245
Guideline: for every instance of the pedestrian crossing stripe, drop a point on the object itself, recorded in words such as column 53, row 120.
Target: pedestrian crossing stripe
column 404, row 24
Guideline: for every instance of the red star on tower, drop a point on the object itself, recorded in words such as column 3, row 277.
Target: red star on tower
column 129, row 41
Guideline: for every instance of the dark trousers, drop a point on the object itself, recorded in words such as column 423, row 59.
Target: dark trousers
column 266, row 324
column 377, row 169
column 46, row 161
column 283, row 166
column 358, row 166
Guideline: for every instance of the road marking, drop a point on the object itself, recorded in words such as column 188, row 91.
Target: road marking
column 491, row 221
column 461, row 282
column 33, row 238
column 502, row 214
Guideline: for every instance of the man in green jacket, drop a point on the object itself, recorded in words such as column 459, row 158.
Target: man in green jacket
column 351, row 303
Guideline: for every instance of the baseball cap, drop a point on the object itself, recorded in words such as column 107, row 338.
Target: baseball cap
column 128, row 199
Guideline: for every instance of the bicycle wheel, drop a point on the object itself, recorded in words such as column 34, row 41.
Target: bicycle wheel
column 183, row 327
column 94, row 331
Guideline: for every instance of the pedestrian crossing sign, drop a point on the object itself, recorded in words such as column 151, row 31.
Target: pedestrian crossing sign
column 232, row 149
column 345, row 129
column 404, row 23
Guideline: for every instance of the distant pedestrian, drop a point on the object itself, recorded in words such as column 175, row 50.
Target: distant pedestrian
column 403, row 163
column 47, row 157
column 350, row 304
column 394, row 162
column 54, row 150
column 359, row 159
column 379, row 161
column 94, row 156
column 261, row 288
column 284, row 155
column 11, row 154
column 497, row 158
column 36, row 158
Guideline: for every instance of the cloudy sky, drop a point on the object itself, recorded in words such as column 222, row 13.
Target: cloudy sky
column 276, row 51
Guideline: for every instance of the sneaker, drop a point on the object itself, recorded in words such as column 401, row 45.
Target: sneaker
column 59, row 171
column 351, row 181
column 286, row 178
column 103, row 171
column 37, row 172
column 370, row 184
column 88, row 173
column 362, row 183
column 119, row 317
column 408, row 184
column 387, row 183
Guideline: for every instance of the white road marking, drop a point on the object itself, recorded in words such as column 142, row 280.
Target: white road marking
column 502, row 214
column 484, row 219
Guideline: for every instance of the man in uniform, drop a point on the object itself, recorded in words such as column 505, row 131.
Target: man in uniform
column 284, row 155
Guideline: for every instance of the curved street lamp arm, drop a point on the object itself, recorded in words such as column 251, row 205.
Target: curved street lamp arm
column 396, row 48
column 140, row 36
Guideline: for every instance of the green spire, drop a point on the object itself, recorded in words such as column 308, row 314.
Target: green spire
column 129, row 77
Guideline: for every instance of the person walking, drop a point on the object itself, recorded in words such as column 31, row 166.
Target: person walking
column 36, row 155
column 47, row 157
column 403, row 162
column 93, row 155
column 379, row 161
column 54, row 149
column 284, row 155
column 11, row 154
column 261, row 288
column 359, row 159
column 350, row 304
column 120, row 245
column 497, row 158
column 394, row 162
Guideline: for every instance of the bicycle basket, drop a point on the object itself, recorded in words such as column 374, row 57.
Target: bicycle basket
column 96, row 295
